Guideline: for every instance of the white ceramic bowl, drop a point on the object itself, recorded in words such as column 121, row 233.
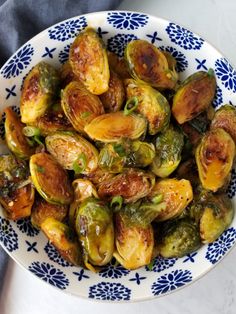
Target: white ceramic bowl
column 28, row 246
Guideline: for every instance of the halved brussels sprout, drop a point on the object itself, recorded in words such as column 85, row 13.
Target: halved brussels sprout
column 151, row 103
column 67, row 75
column 194, row 96
column 188, row 170
column 178, row 238
column 132, row 185
column 50, row 179
column 98, row 176
column 114, row 97
column 214, row 156
column 118, row 65
column 72, row 151
column 80, row 106
column 39, row 89
column 43, row 210
column 95, row 230
column 16, row 141
column 225, row 118
column 111, row 127
column 216, row 217
column 176, row 194
column 169, row 145
column 148, row 64
column 63, row 238
column 88, row 59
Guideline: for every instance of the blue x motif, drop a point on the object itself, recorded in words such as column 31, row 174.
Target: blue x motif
column 10, row 92
column 100, row 32
column 153, row 37
column 32, row 246
column 201, row 64
column 48, row 52
column 137, row 278
column 81, row 275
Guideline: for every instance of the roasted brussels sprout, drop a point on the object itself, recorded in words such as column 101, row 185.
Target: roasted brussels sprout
column 88, row 59
column 188, row 170
column 95, row 230
column 148, row 64
column 50, row 179
column 225, row 118
column 151, row 103
column 42, row 210
column 132, row 185
column 63, row 238
column 176, row 194
column 178, row 238
column 111, row 127
column 15, row 139
column 98, row 176
column 169, row 145
column 72, row 151
column 114, row 97
column 80, row 106
column 67, row 75
column 214, row 158
column 194, row 96
column 118, row 65
column 39, row 90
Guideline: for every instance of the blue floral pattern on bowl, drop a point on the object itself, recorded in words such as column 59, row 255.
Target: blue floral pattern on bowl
column 181, row 60
column 112, row 270
column 64, row 54
column 231, row 191
column 26, row 227
column 55, row 256
column 218, row 99
column 8, row 236
column 127, row 20
column 225, row 72
column 118, row 43
column 109, row 291
column 161, row 264
column 19, row 62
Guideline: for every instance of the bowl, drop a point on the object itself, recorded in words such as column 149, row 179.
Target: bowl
column 29, row 247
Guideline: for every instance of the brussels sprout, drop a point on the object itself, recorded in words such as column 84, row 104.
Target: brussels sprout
column 114, row 157
column 42, row 210
column 178, row 238
column 214, row 156
column 194, row 96
column 225, row 118
column 216, row 217
column 39, row 89
column 72, row 151
column 95, row 230
column 176, row 194
column 98, row 176
column 114, row 97
column 67, row 75
column 111, row 127
column 151, row 103
column 63, row 238
column 16, row 141
column 88, row 59
column 80, row 106
column 188, row 170
column 169, row 145
column 50, row 179
column 118, row 65
column 148, row 64
column 132, row 185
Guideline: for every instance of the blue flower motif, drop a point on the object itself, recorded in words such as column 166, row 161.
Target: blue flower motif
column 10, row 91
column 226, row 73
column 49, row 274
column 231, row 191
column 113, row 271
column 217, row 249
column 64, row 54
column 25, row 226
column 161, row 264
column 109, row 291
column 171, row 281
column 190, row 257
column 153, row 37
column 127, row 20
column 81, row 274
column 48, row 52
column 8, row 236
column 218, row 99
column 31, row 246
column 183, row 37
column 118, row 43
column 68, row 29
column 137, row 278
column 181, row 60
column 55, row 256
column 19, row 62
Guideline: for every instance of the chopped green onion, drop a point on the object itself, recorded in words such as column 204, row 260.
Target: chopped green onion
column 157, row 199
column 151, row 264
column 30, row 131
column 210, row 72
column 119, row 149
column 85, row 114
column 116, row 203
column 80, row 164
column 131, row 105
column 38, row 140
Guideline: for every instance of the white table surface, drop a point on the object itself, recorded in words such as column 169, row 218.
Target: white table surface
column 215, row 21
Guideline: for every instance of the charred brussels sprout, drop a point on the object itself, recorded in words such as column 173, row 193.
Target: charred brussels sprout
column 148, row 64
column 98, row 176
column 88, row 59
column 39, row 89
column 80, row 106
column 214, row 158
column 151, row 104
column 95, row 230
column 16, row 141
column 111, row 127
column 72, row 151
column 118, row 65
column 194, row 96
column 169, row 145
column 50, row 179
column 63, row 238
